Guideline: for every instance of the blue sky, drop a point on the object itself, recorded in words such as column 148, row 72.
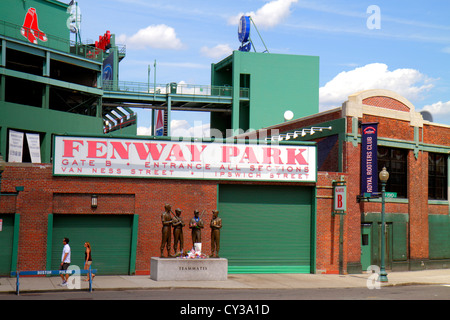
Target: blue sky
column 398, row 45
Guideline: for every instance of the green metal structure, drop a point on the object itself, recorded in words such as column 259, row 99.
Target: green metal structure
column 275, row 82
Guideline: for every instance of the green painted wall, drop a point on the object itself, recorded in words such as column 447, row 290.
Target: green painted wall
column 52, row 17
column 277, row 82
column 111, row 238
column 396, row 254
column 45, row 121
column 267, row 229
column 6, row 243
column 439, row 233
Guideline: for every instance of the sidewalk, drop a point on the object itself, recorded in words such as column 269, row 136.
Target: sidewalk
column 234, row 281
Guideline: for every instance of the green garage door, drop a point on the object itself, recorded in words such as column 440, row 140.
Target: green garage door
column 110, row 237
column 266, row 229
column 6, row 243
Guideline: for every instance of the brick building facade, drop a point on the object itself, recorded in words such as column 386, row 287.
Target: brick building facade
column 415, row 152
column 46, row 197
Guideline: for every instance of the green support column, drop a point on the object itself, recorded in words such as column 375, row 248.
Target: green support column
column 169, row 111
column 46, row 66
column 3, row 54
column 134, row 239
column 46, row 146
column 3, row 139
column 15, row 242
column 46, row 97
column 2, row 88
column 49, row 241
column 236, row 90
column 2, row 64
column 46, row 73
column 152, row 132
column 99, row 110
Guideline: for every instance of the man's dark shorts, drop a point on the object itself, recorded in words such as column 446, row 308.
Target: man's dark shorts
column 64, row 266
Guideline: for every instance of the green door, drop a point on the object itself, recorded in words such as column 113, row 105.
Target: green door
column 6, row 243
column 266, row 229
column 366, row 246
column 109, row 235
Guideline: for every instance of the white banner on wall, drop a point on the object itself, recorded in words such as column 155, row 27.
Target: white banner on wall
column 15, row 146
column 35, row 147
column 107, row 157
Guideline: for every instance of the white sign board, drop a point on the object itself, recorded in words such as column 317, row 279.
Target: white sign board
column 114, row 157
column 15, row 146
column 34, row 146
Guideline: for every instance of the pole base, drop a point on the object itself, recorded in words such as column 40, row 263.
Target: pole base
column 383, row 277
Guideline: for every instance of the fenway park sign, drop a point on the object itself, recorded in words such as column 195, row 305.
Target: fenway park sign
column 114, row 157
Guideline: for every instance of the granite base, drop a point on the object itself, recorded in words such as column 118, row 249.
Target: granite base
column 214, row 269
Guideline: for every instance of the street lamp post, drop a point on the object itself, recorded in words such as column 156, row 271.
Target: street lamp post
column 384, row 176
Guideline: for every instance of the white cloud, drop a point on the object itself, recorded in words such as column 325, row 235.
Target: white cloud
column 269, row 15
column 438, row 108
column 158, row 36
column 219, row 51
column 181, row 128
column 409, row 83
column 440, row 111
column 144, row 131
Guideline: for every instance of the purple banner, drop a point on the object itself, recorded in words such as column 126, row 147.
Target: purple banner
column 369, row 168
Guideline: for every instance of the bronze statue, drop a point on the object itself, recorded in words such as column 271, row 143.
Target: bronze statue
column 166, row 220
column 178, row 224
column 196, row 225
column 216, row 225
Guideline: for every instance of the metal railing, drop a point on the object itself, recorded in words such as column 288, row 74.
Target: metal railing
column 17, row 274
column 172, row 88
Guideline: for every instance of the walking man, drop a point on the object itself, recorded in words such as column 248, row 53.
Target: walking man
column 65, row 261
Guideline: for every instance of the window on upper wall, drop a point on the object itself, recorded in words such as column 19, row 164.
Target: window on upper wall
column 437, row 176
column 395, row 161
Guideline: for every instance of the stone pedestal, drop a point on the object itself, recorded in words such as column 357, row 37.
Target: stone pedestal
column 188, row 269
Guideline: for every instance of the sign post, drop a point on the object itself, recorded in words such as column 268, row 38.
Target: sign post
column 339, row 197
column 340, row 208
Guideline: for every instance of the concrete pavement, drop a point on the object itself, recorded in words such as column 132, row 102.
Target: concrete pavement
column 234, row 281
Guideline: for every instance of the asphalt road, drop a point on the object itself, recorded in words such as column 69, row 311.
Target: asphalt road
column 413, row 292
column 229, row 303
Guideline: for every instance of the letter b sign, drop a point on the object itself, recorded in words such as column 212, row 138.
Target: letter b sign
column 340, row 198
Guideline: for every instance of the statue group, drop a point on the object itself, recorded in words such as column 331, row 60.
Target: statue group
column 170, row 220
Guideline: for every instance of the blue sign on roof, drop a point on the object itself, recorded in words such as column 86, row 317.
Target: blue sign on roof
column 244, row 29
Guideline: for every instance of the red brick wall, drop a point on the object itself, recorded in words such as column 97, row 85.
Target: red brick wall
column 391, row 128
column 352, row 165
column 327, row 250
column 385, row 102
column 418, row 205
column 436, row 135
column 45, row 194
